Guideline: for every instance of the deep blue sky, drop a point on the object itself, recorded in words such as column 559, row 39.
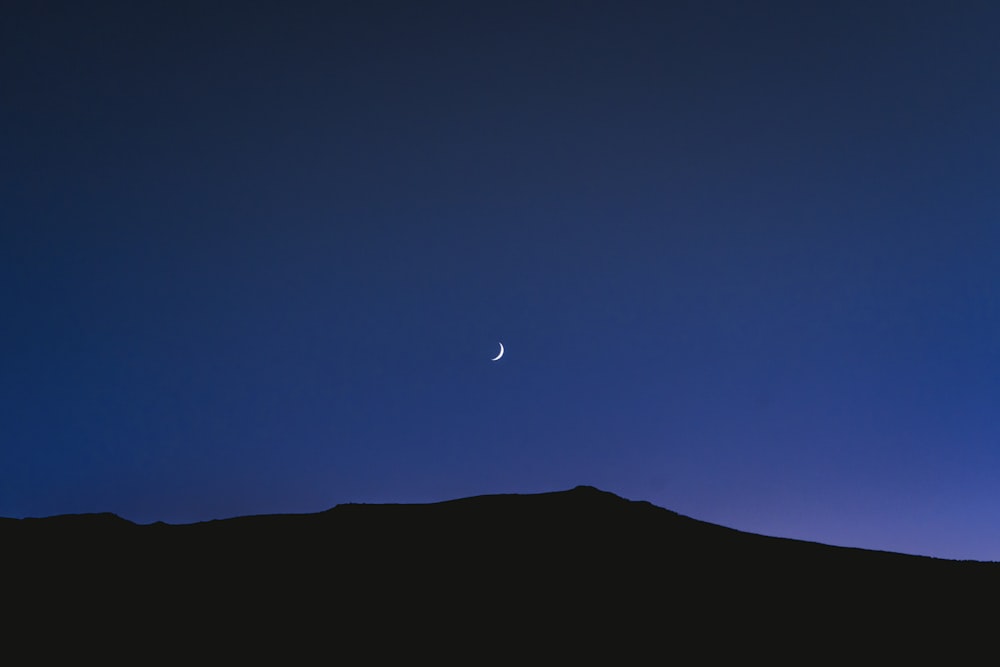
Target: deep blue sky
column 256, row 257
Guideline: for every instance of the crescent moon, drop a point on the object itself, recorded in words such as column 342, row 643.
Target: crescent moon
column 497, row 358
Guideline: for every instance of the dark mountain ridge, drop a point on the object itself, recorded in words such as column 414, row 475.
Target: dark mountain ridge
column 540, row 516
column 573, row 571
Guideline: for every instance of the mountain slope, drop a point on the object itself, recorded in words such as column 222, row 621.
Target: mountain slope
column 566, row 573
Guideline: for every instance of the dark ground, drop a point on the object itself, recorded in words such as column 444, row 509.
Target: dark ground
column 546, row 578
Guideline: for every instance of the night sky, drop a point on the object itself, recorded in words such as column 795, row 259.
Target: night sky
column 256, row 257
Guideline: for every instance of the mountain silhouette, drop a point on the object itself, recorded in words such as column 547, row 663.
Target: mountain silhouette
column 537, row 578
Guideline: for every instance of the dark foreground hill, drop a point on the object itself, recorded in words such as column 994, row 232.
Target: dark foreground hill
column 536, row 579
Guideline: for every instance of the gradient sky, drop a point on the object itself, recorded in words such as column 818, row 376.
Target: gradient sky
column 255, row 257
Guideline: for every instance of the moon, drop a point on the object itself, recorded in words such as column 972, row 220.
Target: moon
column 497, row 358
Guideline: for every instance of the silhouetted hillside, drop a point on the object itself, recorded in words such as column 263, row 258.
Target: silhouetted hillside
column 557, row 576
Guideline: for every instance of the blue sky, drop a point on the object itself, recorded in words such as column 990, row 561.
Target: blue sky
column 256, row 258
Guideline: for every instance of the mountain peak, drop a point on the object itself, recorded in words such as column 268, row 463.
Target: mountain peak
column 586, row 488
